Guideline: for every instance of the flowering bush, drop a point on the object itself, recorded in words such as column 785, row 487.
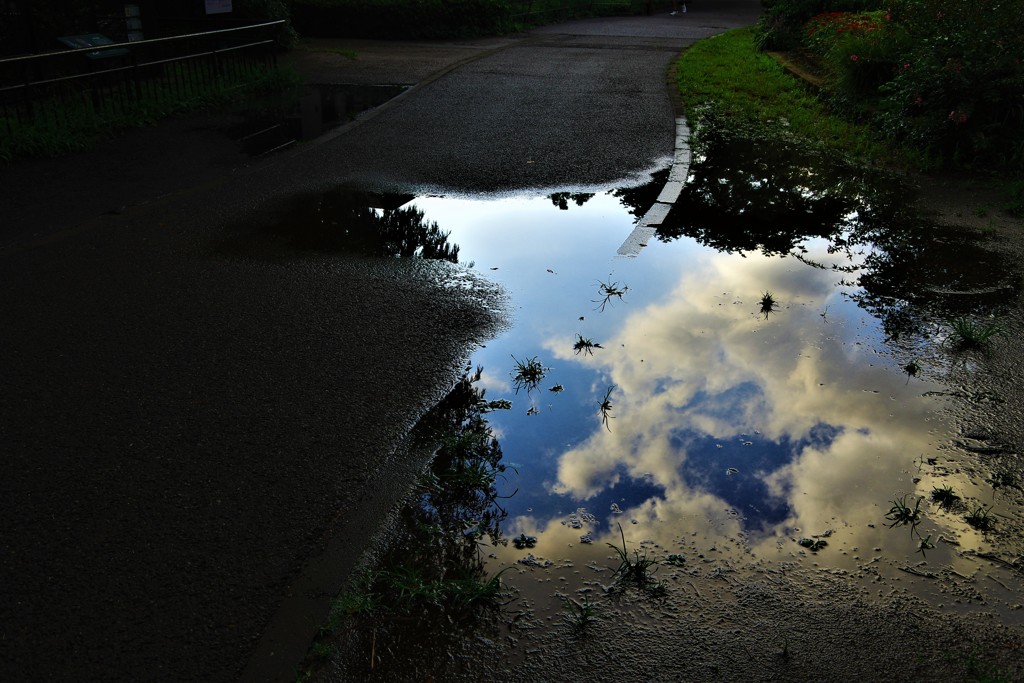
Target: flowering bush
column 860, row 49
column 823, row 30
column 958, row 86
column 782, row 22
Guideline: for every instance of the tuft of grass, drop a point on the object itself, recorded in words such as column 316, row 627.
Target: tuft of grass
column 768, row 304
column 635, row 569
column 605, row 408
column 980, row 519
column 912, row 369
column 580, row 615
column 584, row 345
column 902, row 514
column 609, row 291
column 965, row 334
column 528, row 374
column 946, row 497
column 1003, row 479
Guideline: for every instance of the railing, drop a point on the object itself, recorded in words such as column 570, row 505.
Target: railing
column 55, row 88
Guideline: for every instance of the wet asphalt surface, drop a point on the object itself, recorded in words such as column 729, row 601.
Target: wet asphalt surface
column 200, row 431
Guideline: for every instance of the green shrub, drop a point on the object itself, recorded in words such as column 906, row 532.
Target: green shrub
column 958, row 91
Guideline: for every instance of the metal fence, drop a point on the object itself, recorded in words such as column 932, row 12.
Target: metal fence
column 55, row 88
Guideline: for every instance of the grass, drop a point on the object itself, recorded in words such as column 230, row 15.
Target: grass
column 946, row 498
column 966, row 334
column 901, row 514
column 633, row 569
column 605, row 408
column 580, row 615
column 584, row 345
column 768, row 304
column 980, row 519
column 608, row 292
column 729, row 75
column 912, row 369
column 528, row 374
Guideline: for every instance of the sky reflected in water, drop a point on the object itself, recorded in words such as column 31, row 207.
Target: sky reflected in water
column 728, row 432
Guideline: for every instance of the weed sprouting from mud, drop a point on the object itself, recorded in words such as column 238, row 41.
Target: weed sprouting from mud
column 635, row 569
column 924, row 545
column 946, row 498
column 981, row 519
column 901, row 514
column 965, row 334
column 580, row 615
column 911, row 369
column 1003, row 479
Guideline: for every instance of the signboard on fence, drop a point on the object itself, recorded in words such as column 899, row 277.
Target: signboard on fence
column 218, row 6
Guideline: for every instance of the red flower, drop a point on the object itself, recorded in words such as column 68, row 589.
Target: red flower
column 854, row 58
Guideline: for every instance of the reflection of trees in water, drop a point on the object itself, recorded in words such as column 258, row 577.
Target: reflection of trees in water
column 756, row 195
column 639, row 199
column 348, row 221
column 562, row 199
column 424, row 590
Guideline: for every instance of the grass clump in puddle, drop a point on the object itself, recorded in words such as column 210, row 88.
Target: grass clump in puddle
column 605, row 408
column 981, row 519
column 902, row 514
column 609, row 291
column 585, row 346
column 634, row 569
column 581, row 615
column 768, row 304
column 966, row 334
column 946, row 498
column 528, row 374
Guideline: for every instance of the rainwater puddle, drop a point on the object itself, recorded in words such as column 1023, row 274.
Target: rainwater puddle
column 756, row 392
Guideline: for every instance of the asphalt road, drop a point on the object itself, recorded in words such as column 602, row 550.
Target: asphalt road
column 198, row 441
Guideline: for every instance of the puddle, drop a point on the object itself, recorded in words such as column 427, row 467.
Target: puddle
column 658, row 402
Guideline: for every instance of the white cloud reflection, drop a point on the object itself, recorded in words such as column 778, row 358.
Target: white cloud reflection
column 701, row 364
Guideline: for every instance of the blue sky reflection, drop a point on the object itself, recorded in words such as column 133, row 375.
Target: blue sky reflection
column 722, row 421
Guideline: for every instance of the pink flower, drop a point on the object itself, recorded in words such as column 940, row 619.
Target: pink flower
column 854, row 58
column 906, row 65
